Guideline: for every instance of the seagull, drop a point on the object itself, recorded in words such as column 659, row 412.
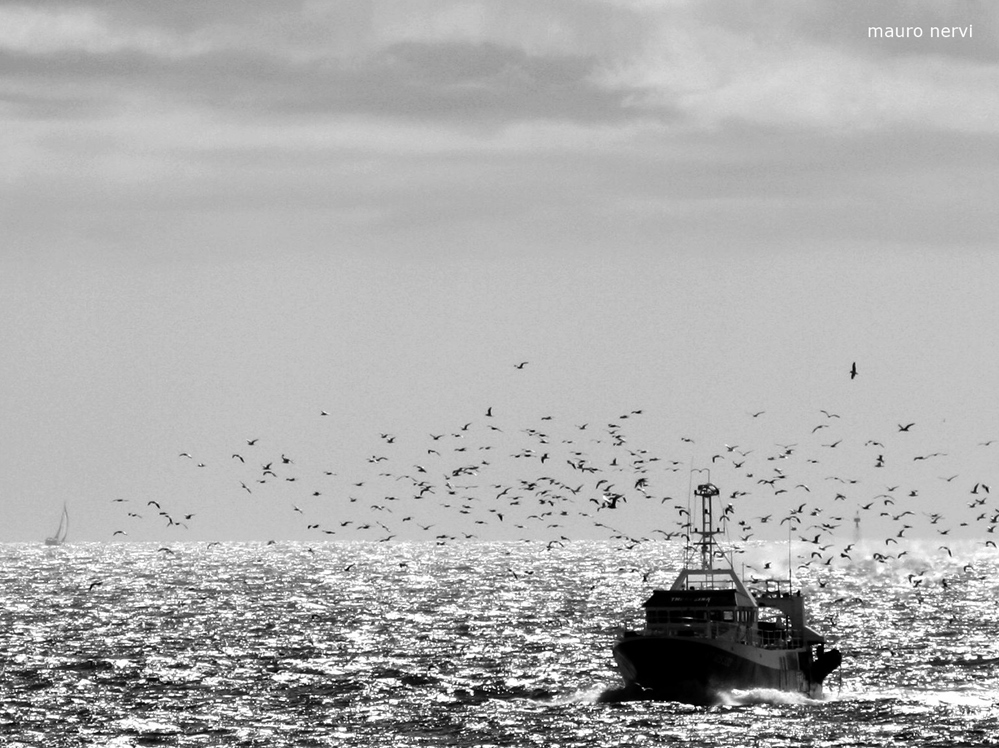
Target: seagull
column 853, row 370
column 521, row 365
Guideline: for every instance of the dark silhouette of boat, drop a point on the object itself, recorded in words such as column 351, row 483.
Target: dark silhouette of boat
column 60, row 534
column 709, row 633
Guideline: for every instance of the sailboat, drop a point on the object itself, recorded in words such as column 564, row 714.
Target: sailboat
column 60, row 534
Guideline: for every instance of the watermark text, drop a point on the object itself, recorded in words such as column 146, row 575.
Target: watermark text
column 919, row 32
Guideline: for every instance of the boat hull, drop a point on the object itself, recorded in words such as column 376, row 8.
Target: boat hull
column 695, row 670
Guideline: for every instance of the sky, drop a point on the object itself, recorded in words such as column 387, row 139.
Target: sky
column 337, row 230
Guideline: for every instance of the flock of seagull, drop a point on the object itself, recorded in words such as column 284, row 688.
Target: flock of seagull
column 553, row 480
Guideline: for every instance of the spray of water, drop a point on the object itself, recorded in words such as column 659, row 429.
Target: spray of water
column 755, row 696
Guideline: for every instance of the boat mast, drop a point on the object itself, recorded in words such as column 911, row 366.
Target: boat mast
column 707, row 491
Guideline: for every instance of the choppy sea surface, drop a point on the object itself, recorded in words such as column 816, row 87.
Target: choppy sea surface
column 484, row 644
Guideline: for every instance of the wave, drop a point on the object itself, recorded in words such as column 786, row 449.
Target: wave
column 755, row 696
column 593, row 695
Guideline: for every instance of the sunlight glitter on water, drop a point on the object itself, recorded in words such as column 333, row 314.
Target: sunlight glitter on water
column 345, row 647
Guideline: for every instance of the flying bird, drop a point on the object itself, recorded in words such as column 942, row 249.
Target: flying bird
column 853, row 370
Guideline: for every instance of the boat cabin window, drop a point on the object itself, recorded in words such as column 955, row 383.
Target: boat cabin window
column 658, row 616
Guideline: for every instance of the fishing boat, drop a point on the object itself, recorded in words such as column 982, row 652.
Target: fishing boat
column 709, row 633
column 60, row 534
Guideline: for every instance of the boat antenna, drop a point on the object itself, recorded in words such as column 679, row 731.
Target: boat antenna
column 790, row 581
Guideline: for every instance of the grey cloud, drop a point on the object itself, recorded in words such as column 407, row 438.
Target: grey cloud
column 478, row 83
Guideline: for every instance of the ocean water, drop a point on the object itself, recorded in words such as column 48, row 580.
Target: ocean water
column 475, row 644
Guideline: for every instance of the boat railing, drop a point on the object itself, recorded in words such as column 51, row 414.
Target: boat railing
column 773, row 589
column 768, row 639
